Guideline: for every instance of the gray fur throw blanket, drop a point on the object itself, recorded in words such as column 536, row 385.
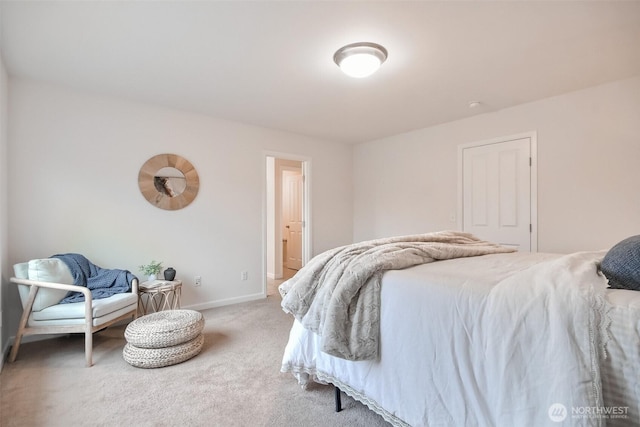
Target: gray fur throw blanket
column 337, row 294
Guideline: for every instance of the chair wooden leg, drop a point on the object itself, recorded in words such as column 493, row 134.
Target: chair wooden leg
column 16, row 345
column 23, row 323
column 88, row 347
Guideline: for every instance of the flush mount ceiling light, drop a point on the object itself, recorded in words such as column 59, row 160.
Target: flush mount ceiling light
column 360, row 59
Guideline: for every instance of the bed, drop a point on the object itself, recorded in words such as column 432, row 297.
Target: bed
column 494, row 339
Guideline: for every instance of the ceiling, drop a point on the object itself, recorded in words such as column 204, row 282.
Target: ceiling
column 269, row 63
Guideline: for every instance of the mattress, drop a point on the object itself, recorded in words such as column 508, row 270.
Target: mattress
column 425, row 375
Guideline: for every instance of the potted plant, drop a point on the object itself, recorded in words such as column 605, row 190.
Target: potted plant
column 151, row 270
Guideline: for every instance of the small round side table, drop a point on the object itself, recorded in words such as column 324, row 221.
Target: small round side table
column 159, row 295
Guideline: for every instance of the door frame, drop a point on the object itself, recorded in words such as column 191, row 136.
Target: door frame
column 533, row 141
column 277, row 229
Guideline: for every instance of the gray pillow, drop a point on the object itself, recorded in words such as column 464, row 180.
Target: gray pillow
column 621, row 265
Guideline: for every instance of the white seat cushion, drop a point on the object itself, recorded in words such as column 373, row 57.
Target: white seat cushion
column 75, row 310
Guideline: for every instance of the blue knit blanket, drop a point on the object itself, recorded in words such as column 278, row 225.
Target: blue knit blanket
column 102, row 282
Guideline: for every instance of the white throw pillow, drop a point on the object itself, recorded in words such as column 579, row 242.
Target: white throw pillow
column 21, row 271
column 44, row 270
column 50, row 270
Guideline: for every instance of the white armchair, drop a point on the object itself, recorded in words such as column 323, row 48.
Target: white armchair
column 43, row 283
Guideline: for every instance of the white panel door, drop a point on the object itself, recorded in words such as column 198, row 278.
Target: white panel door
column 292, row 198
column 497, row 192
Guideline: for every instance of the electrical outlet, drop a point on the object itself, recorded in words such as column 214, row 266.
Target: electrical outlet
column 244, row 275
column 198, row 281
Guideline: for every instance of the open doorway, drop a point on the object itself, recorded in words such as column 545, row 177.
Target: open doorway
column 287, row 230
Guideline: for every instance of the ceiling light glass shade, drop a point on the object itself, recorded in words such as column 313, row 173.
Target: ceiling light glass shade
column 360, row 59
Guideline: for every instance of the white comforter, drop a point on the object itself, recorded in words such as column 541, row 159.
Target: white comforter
column 337, row 294
column 503, row 340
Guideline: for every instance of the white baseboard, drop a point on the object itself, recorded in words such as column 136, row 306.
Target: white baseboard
column 5, row 353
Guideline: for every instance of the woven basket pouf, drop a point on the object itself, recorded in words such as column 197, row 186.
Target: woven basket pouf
column 161, row 357
column 164, row 328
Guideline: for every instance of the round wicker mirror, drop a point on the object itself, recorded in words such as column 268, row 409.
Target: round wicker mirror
column 168, row 181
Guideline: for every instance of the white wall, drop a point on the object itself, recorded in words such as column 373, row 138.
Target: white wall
column 74, row 188
column 588, row 174
column 4, row 264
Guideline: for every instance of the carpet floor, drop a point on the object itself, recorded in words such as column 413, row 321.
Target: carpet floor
column 234, row 381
